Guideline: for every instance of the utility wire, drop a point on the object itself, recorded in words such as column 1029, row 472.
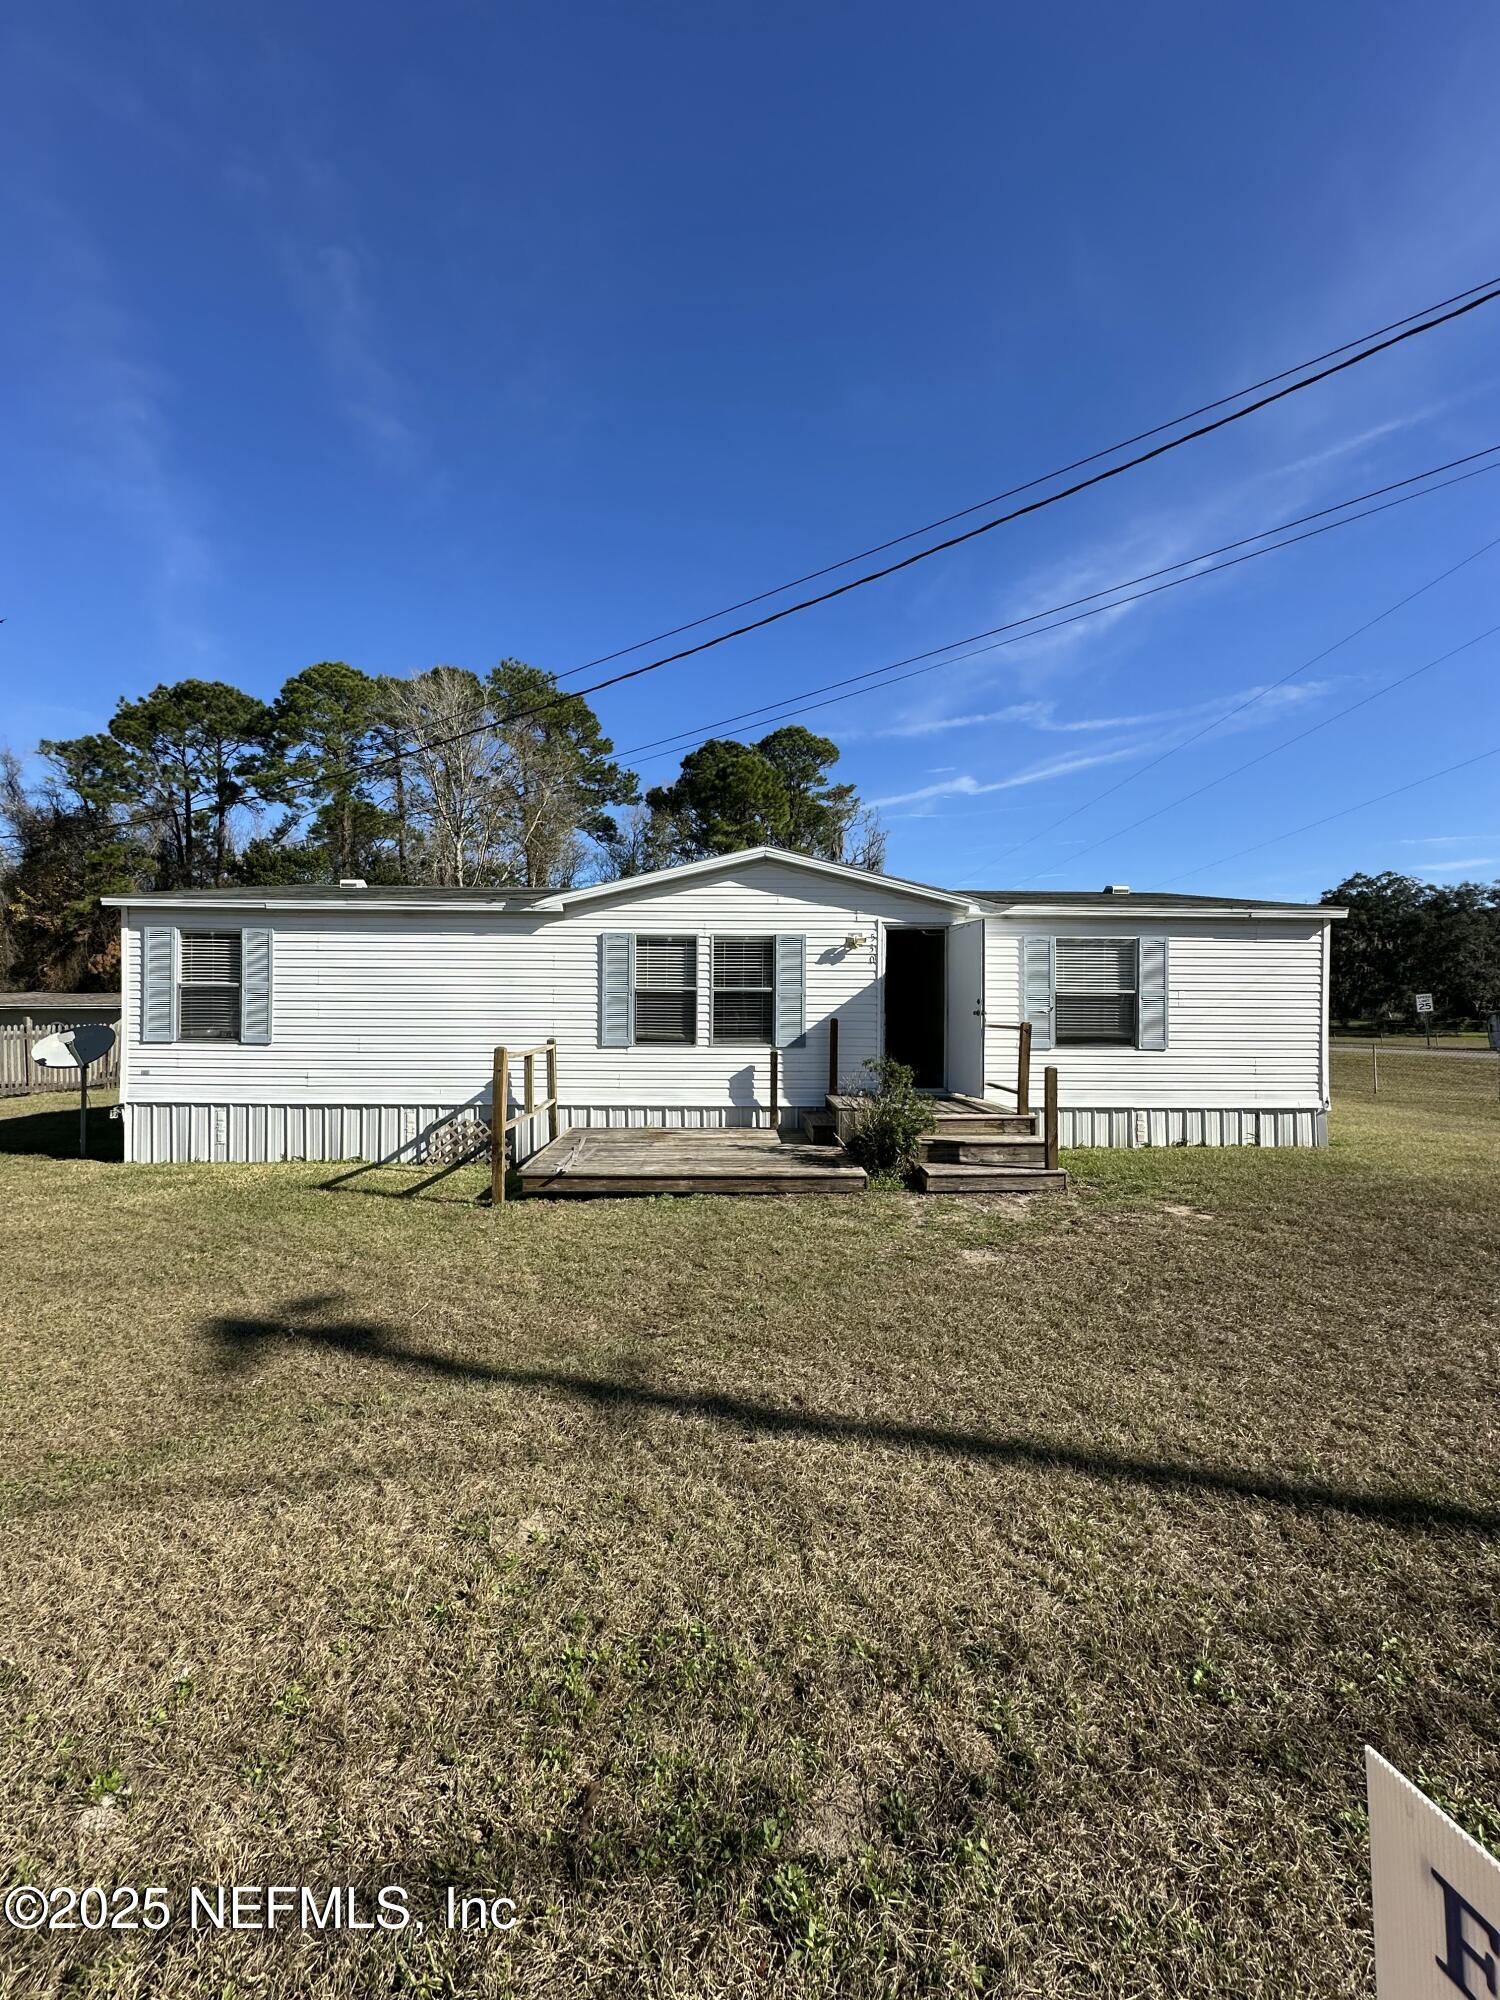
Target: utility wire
column 969, row 534
column 1260, row 693
column 1286, row 744
column 876, row 679
column 873, row 679
column 1342, row 813
column 1026, row 486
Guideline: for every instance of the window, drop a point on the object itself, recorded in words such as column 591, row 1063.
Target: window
column 666, row 989
column 208, row 991
column 744, row 987
column 1097, row 980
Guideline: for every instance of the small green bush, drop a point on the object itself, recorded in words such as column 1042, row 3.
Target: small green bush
column 889, row 1119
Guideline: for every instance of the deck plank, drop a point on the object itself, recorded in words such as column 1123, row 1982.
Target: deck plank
column 654, row 1160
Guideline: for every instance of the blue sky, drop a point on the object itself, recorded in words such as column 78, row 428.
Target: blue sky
column 413, row 335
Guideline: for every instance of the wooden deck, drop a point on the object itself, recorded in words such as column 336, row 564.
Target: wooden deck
column 647, row 1160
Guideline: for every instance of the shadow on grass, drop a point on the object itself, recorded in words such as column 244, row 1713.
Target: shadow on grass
column 356, row 1179
column 241, row 1344
column 52, row 1134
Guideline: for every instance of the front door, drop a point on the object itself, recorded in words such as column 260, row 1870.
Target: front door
column 916, row 1002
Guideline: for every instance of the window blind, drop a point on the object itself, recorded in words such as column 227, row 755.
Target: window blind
column 744, row 989
column 1096, row 980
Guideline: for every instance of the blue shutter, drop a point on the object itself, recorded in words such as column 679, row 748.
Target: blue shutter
column 616, row 989
column 791, row 988
column 159, row 983
column 255, row 986
column 1037, row 982
column 1151, row 1004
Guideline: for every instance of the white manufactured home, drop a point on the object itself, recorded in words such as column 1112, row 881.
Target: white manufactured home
column 357, row 1022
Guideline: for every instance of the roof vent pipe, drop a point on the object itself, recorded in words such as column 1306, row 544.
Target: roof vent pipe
column 1117, row 888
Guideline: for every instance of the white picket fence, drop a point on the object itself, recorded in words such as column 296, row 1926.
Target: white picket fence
column 19, row 1075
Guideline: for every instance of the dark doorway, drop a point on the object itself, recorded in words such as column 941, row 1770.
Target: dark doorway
column 916, row 1002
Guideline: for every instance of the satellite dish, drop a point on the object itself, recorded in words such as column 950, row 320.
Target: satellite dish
column 74, row 1048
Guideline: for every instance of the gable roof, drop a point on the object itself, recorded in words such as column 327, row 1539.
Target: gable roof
column 502, row 896
column 506, row 896
column 716, row 864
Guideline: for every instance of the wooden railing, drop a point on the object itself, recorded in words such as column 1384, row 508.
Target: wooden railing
column 502, row 1121
column 1022, row 1085
column 1049, row 1118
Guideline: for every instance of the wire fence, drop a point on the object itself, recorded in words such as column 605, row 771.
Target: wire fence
column 1455, row 1080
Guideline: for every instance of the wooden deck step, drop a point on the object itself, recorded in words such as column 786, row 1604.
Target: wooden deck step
column 819, row 1128
column 942, row 1178
column 984, row 1124
column 1022, row 1149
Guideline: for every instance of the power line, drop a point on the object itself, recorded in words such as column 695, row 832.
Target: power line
column 879, row 678
column 1343, row 812
column 1025, row 486
column 1260, row 694
column 873, row 679
column 969, row 534
column 1286, row 744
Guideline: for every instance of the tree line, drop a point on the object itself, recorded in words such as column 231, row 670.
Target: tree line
column 445, row 776
column 1403, row 937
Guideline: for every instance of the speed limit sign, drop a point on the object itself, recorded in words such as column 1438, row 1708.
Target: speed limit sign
column 1424, row 1003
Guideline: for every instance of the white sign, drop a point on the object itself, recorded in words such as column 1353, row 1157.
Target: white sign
column 1436, row 1896
column 74, row 1048
column 1424, row 1003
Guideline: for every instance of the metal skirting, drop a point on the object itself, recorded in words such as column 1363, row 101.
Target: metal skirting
column 410, row 1134
column 403, row 1134
column 1085, row 1127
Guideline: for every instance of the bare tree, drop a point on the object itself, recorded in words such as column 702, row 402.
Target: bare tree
column 865, row 841
column 452, row 760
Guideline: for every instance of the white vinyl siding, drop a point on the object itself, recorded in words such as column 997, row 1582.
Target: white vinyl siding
column 405, row 1008
column 1095, row 997
column 744, row 989
column 1246, row 1017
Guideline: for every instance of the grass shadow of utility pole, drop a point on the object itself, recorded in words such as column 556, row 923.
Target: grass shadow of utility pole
column 241, row 1343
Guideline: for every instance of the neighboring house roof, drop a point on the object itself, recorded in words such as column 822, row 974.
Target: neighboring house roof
column 503, row 896
column 59, row 1003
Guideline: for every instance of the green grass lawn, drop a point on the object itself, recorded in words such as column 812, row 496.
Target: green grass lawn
column 887, row 1596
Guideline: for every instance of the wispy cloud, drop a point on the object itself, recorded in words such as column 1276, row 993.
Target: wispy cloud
column 1457, row 867
column 1445, row 839
column 305, row 215
column 966, row 785
column 117, row 441
column 1260, row 703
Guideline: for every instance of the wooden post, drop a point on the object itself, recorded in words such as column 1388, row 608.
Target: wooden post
column 28, row 1069
column 1375, row 1067
column 1049, row 1117
column 833, row 1055
column 775, row 1087
column 1023, row 1069
column 83, row 1111
column 499, row 1112
column 552, row 1087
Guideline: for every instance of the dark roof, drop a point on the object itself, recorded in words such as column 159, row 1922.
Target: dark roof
column 67, row 1003
column 1099, row 899
column 317, row 892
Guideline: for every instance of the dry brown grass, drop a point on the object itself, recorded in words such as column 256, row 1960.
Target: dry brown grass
column 877, row 1597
